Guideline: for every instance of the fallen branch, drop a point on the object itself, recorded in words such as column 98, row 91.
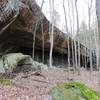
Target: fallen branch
column 37, row 73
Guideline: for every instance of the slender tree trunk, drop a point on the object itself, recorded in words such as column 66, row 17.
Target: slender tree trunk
column 68, row 58
column 73, row 31
column 73, row 55
column 97, row 51
column 72, row 34
column 42, row 43
column 68, row 39
column 89, row 22
column 98, row 19
column 79, row 57
column 77, row 17
column 65, row 16
column 91, row 67
column 85, row 55
column 51, row 30
column 34, row 33
column 85, row 46
column 42, row 35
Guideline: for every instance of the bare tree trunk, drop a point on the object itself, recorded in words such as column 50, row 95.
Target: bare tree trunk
column 89, row 12
column 65, row 16
column 42, row 35
column 85, row 55
column 79, row 57
column 70, row 17
column 51, row 30
column 73, row 55
column 68, row 39
column 89, row 22
column 42, row 43
column 98, row 19
column 77, row 16
column 68, row 57
column 72, row 34
column 97, row 59
column 97, row 49
column 73, row 31
column 91, row 67
column 34, row 33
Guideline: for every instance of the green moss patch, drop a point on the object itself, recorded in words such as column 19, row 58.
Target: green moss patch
column 5, row 82
column 73, row 91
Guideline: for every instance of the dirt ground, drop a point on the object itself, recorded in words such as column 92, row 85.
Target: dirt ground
column 37, row 87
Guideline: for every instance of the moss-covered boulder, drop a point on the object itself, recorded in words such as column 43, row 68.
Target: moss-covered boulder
column 73, row 91
column 18, row 62
column 15, row 62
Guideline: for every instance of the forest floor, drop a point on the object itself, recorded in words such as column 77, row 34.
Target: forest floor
column 37, row 87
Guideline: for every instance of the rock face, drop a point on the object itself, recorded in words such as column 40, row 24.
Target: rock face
column 20, row 20
column 24, row 18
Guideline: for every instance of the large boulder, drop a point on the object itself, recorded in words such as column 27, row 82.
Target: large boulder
column 16, row 62
column 73, row 91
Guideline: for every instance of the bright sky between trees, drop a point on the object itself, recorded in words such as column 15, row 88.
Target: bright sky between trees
column 58, row 5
